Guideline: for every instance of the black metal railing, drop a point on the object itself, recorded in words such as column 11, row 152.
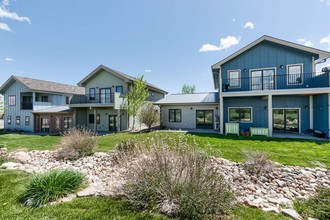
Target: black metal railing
column 26, row 105
column 101, row 98
column 283, row 81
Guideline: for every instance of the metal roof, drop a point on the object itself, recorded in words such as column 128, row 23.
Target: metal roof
column 43, row 86
column 55, row 109
column 193, row 98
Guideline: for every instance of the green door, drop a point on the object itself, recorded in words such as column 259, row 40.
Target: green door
column 286, row 120
column 112, row 122
column 204, row 119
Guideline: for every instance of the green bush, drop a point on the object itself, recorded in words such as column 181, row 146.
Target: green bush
column 51, row 185
column 77, row 142
column 317, row 206
column 171, row 176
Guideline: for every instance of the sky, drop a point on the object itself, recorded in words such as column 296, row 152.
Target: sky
column 170, row 42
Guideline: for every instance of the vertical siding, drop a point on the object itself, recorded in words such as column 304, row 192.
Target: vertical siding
column 321, row 112
column 266, row 55
column 259, row 113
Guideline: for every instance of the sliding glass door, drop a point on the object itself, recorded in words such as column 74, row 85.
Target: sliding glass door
column 263, row 79
column 286, row 120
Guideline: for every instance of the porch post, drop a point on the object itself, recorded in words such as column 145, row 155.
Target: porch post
column 95, row 124
column 118, row 120
column 328, row 114
column 220, row 104
column 74, row 117
column 270, row 115
column 311, row 112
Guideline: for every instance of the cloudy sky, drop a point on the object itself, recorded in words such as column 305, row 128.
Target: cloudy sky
column 170, row 42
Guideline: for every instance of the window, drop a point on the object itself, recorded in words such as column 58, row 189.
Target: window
column 91, row 118
column 27, row 120
column 44, row 98
column 67, row 122
column 57, row 123
column 263, row 79
column 67, row 100
column 18, row 120
column 45, row 125
column 11, row 100
column 174, row 115
column 91, row 93
column 294, row 74
column 234, row 78
column 240, row 114
column 9, row 120
column 119, row 89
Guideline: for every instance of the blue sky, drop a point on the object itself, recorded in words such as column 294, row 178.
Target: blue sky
column 170, row 42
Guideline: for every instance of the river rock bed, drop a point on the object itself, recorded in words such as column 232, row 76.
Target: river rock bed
column 271, row 191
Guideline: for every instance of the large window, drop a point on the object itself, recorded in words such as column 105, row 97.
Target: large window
column 295, row 74
column 234, row 78
column 27, row 120
column 12, row 100
column 120, row 89
column 175, row 115
column 91, row 93
column 105, row 95
column 91, row 119
column 240, row 114
column 67, row 122
column 263, row 79
column 9, row 120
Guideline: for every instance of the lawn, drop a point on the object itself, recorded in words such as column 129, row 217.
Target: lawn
column 298, row 152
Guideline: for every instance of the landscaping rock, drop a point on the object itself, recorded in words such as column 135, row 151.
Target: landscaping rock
column 291, row 213
column 10, row 166
column 271, row 209
column 20, row 156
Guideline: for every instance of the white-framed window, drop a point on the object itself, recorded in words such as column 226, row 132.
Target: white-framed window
column 234, row 78
column 241, row 114
column 27, row 120
column 294, row 74
column 12, row 100
column 175, row 115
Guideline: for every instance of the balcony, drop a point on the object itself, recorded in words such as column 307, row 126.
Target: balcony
column 97, row 98
column 278, row 82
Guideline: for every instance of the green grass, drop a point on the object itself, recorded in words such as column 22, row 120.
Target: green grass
column 298, row 152
column 13, row 183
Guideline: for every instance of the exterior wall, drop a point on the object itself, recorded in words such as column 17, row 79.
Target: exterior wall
column 188, row 115
column 52, row 118
column 266, row 55
column 81, row 119
column 259, row 113
column 321, row 113
column 155, row 96
column 105, row 80
column 15, row 89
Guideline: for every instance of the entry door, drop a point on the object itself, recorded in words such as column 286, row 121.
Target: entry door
column 112, row 122
column 105, row 95
column 286, row 120
column 45, row 125
column 204, row 119
column 262, row 79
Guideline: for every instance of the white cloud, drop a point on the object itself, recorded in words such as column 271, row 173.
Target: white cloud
column 4, row 13
column 326, row 1
column 249, row 24
column 9, row 59
column 225, row 43
column 4, row 27
column 233, row 19
column 305, row 42
column 326, row 40
column 5, row 2
column 147, row 71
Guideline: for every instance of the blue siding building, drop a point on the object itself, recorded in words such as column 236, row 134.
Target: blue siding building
column 272, row 83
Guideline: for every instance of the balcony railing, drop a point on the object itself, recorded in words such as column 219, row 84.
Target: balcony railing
column 277, row 82
column 26, row 105
column 97, row 98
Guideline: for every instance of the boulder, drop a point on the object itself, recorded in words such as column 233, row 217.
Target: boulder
column 291, row 213
column 20, row 156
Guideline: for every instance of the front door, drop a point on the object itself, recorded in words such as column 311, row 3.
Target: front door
column 45, row 125
column 286, row 120
column 112, row 122
column 204, row 119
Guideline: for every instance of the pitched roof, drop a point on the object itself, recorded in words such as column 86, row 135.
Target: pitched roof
column 42, row 86
column 55, row 109
column 322, row 54
column 125, row 77
column 192, row 98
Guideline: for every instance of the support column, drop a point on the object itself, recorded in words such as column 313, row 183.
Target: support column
column 221, row 115
column 311, row 112
column 328, row 109
column 270, row 115
column 118, row 120
column 74, row 118
column 95, row 122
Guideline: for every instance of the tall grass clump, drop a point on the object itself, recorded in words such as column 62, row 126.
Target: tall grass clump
column 77, row 142
column 257, row 163
column 171, row 176
column 50, row 186
column 317, row 206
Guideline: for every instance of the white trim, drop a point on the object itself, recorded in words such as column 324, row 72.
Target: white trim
column 328, row 116
column 299, row 115
column 270, row 115
column 311, row 112
column 239, row 78
column 302, row 74
column 262, row 69
column 239, row 108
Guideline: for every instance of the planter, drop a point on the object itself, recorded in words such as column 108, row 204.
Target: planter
column 247, row 134
column 241, row 133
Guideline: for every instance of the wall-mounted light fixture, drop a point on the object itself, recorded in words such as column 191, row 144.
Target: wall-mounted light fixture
column 266, row 107
column 306, row 107
column 282, row 67
column 245, row 70
column 191, row 108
